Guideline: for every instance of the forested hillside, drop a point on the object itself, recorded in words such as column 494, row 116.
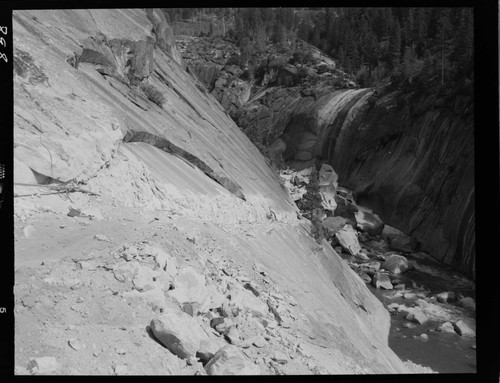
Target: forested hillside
column 425, row 48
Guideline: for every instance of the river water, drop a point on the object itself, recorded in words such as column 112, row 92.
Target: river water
column 443, row 352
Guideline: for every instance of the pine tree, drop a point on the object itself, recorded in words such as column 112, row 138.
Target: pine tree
column 395, row 45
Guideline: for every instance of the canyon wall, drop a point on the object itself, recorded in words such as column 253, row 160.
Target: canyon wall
column 408, row 157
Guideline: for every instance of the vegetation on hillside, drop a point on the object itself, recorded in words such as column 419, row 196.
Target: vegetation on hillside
column 421, row 48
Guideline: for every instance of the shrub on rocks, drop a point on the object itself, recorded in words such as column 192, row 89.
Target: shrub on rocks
column 153, row 94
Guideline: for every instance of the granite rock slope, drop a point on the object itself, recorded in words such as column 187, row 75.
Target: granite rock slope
column 90, row 136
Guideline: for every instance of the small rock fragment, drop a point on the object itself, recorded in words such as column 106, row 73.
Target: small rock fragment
column 232, row 335
column 101, row 237
column 230, row 361
column 445, row 296
column 409, row 296
column 365, row 277
column 28, row 231
column 76, row 344
column 120, row 369
column 191, row 308
column 280, row 357
column 259, row 342
column 74, row 212
column 409, row 325
column 252, row 288
column 43, row 365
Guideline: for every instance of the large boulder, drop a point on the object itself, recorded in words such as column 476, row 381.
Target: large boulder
column 180, row 333
column 230, row 361
column 348, row 239
column 189, row 286
column 247, row 301
column 382, row 281
column 333, row 224
column 369, row 223
column 327, row 187
column 396, row 264
column 463, row 329
column 417, row 316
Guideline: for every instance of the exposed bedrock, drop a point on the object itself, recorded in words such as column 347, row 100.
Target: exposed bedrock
column 410, row 158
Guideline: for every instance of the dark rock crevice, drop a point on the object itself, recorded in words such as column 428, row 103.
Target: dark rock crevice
column 169, row 147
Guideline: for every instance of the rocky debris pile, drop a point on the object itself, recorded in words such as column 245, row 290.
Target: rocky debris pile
column 208, row 316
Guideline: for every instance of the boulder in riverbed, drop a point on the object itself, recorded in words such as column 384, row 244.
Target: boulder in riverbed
column 446, row 327
column 348, row 239
column 369, row 223
column 445, row 296
column 382, row 280
column 417, row 316
column 463, row 329
column 396, row 264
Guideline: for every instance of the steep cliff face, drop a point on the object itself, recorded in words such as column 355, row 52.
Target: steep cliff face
column 413, row 156
column 409, row 157
column 81, row 119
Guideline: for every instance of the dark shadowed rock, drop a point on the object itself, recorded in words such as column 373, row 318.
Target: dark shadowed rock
column 401, row 243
